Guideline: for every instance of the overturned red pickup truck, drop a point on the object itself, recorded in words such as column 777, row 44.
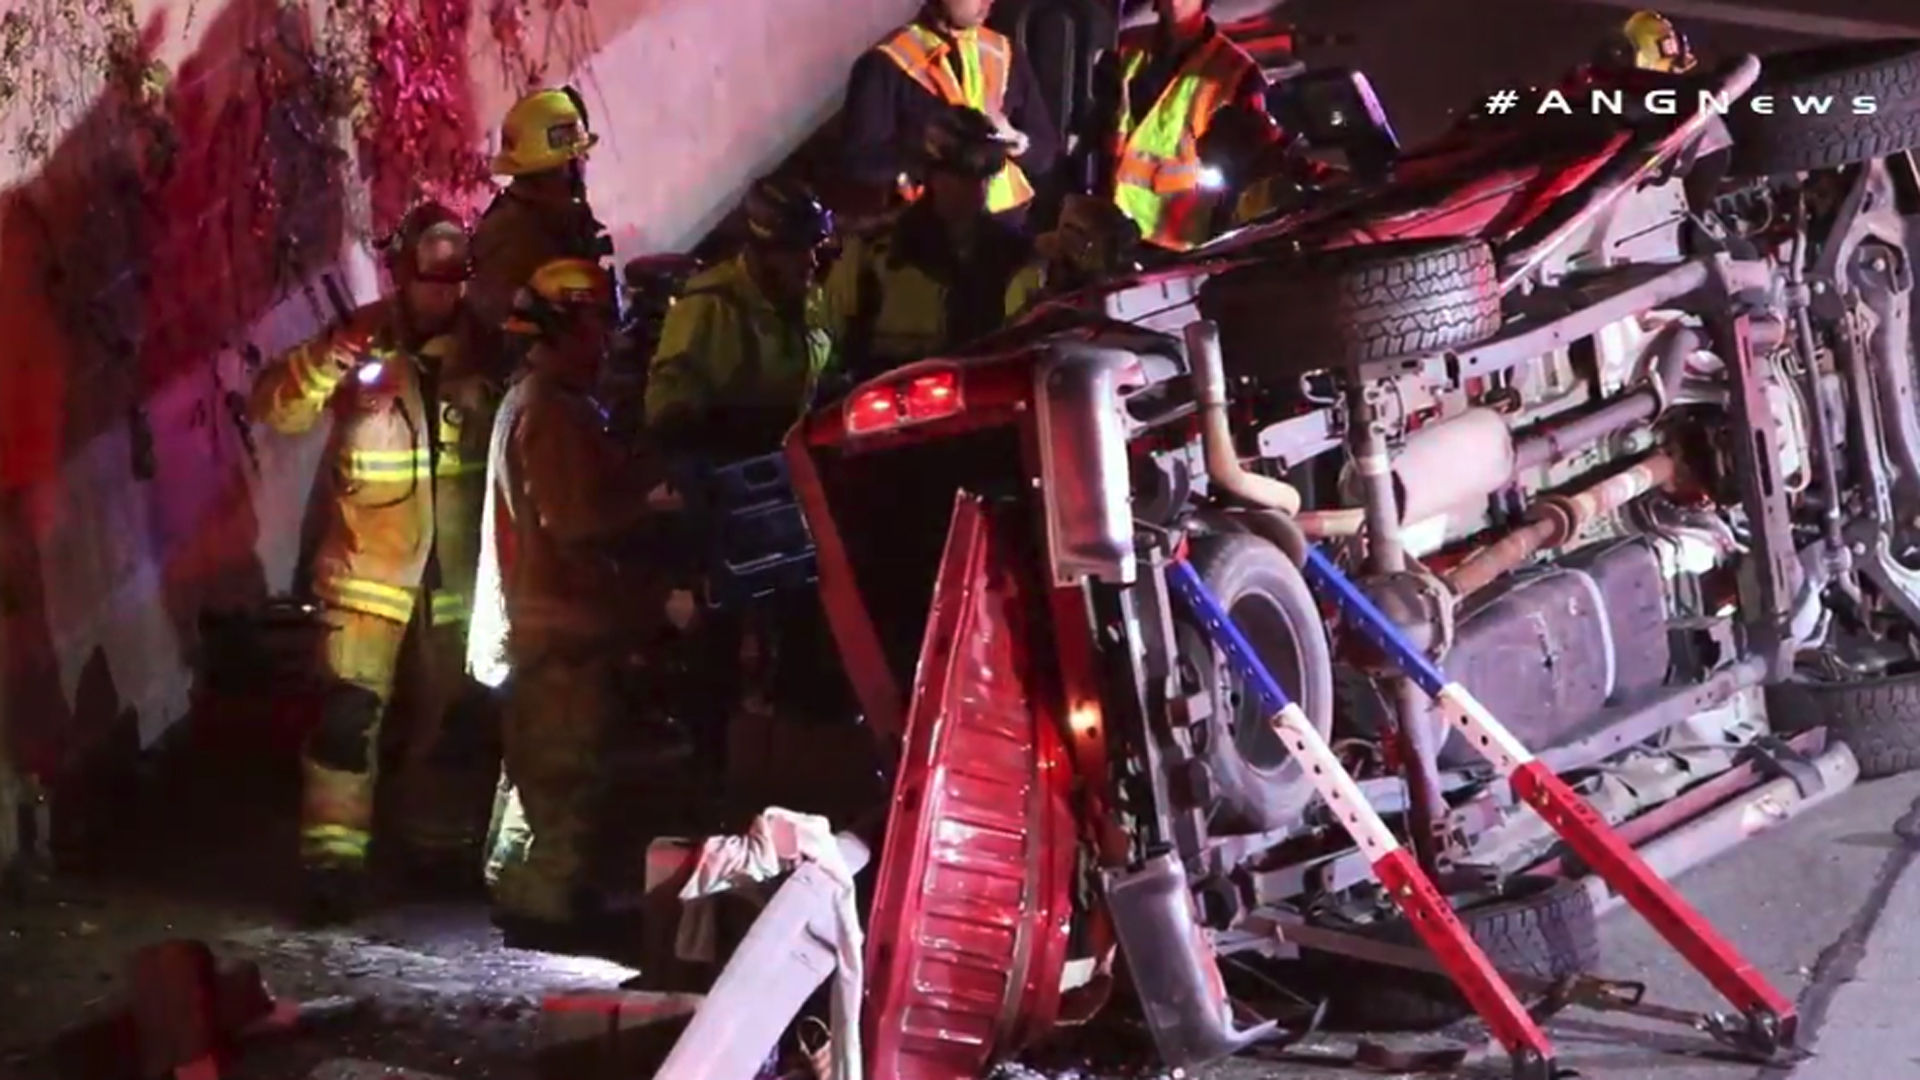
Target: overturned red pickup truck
column 1343, row 585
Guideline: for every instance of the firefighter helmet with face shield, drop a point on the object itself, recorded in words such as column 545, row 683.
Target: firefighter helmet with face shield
column 543, row 131
column 403, row 249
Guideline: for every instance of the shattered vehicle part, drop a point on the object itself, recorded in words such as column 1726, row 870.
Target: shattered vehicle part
column 791, row 950
column 981, row 830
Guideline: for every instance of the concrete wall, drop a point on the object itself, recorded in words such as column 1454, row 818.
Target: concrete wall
column 162, row 234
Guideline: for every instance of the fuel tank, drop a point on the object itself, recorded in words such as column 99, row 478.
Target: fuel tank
column 1546, row 650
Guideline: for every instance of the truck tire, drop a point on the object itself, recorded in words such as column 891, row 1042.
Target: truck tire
column 1878, row 719
column 1256, row 785
column 1282, row 317
column 1787, row 141
column 1544, row 927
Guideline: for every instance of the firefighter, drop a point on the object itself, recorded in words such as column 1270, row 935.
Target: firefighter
column 1158, row 95
column 946, row 56
column 940, row 275
column 1092, row 242
column 543, row 213
column 1647, row 41
column 742, row 356
column 743, row 351
column 406, row 380
column 565, row 496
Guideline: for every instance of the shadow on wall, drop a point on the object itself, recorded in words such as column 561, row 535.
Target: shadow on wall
column 156, row 233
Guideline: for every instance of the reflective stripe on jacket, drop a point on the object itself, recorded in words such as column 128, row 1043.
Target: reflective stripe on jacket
column 726, row 352
column 1026, row 288
column 1157, row 168
column 984, row 64
column 406, row 479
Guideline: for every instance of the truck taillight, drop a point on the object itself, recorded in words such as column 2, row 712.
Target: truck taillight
column 914, row 399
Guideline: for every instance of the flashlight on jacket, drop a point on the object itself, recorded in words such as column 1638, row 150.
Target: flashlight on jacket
column 1212, row 178
column 368, row 373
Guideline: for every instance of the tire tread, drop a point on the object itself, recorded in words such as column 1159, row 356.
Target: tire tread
column 1357, row 305
column 1878, row 719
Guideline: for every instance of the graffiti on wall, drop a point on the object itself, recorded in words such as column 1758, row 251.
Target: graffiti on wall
column 156, row 216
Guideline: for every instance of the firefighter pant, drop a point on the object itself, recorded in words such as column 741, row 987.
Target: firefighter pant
column 545, row 836
column 416, row 674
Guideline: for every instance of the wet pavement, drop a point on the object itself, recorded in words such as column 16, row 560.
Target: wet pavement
column 200, row 845
column 1811, row 903
column 1808, row 904
column 442, row 997
column 207, row 855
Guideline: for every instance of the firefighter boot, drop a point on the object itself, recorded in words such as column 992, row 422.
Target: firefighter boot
column 336, row 790
column 547, row 844
column 332, row 895
column 336, row 813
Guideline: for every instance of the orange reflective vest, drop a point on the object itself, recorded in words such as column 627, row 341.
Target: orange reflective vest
column 978, row 79
column 1157, row 167
column 408, row 475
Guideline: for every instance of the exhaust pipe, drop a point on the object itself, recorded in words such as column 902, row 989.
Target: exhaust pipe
column 1216, row 431
column 1440, row 469
column 1557, row 519
column 1329, row 524
column 1445, row 466
column 1555, row 441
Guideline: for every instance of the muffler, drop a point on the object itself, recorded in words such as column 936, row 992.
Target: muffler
column 1447, row 466
column 1173, row 969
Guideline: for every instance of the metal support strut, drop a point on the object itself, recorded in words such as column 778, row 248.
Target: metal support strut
column 1393, row 865
column 1769, row 1017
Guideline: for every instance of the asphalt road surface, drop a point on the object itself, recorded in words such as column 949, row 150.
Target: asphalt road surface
column 1823, row 905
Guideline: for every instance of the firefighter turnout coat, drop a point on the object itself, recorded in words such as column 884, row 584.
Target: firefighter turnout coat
column 406, row 459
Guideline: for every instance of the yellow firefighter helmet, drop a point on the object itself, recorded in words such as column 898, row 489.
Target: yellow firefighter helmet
column 557, row 291
column 543, row 131
column 1652, row 43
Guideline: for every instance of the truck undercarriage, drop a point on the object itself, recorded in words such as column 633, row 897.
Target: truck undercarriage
column 1350, row 585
